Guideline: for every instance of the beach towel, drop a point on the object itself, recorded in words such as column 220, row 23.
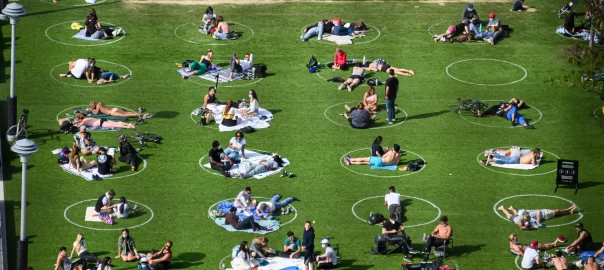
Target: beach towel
column 255, row 157
column 81, row 35
column 387, row 168
column 108, row 117
column 278, row 263
column 102, row 128
column 184, row 71
column 86, row 174
column 267, row 223
column 261, row 120
column 90, row 1
column 225, row 207
column 340, row 40
column 520, row 166
column 92, row 215
column 563, row 32
column 584, row 255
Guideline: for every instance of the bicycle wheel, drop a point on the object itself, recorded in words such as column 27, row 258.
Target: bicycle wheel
column 455, row 108
column 13, row 134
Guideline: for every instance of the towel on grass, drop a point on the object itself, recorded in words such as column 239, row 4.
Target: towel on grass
column 278, row 263
column 225, row 207
column 255, row 157
column 81, row 35
column 340, row 40
column 519, row 166
column 387, row 168
column 102, row 128
column 86, row 174
column 274, row 224
column 253, row 121
column 108, row 117
column 92, row 215
column 184, row 71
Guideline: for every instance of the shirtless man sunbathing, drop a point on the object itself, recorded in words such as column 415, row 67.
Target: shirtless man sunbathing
column 512, row 156
column 97, row 107
column 391, row 157
column 517, row 248
column 99, row 122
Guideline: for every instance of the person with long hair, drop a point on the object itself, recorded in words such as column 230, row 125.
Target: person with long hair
column 92, row 26
column 228, row 115
column 198, row 68
column 105, row 264
column 376, row 148
column 260, row 247
column 243, row 259
column 236, row 147
column 207, row 59
column 206, row 19
column 370, row 99
column 223, row 30
column 79, row 246
column 254, row 106
column 123, row 209
column 126, row 249
column 339, row 60
column 82, row 120
column 391, row 157
column 78, row 162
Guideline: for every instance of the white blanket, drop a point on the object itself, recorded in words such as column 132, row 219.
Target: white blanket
column 254, row 121
column 519, row 166
column 86, row 174
column 340, row 40
column 92, row 215
column 255, row 157
column 278, row 263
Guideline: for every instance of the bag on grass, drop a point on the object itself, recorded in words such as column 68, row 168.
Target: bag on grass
column 312, row 63
column 247, row 130
column 373, row 82
column 186, row 63
column 375, row 218
column 360, row 27
column 260, row 71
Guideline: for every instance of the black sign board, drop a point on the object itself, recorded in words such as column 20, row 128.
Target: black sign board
column 568, row 173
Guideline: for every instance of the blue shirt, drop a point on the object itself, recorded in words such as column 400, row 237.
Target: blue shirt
column 296, row 243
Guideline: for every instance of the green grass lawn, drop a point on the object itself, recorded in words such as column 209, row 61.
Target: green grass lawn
column 174, row 192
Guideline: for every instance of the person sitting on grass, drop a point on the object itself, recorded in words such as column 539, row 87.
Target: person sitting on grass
column 339, row 60
column 98, row 107
column 518, row 6
column 248, row 169
column 359, row 117
column 357, row 76
column 216, row 155
column 223, row 30
column 77, row 162
column 208, row 17
column 207, row 59
column 244, row 200
column 391, row 157
column 128, row 154
column 494, row 30
column 380, row 65
column 291, row 247
column 370, row 99
column 376, row 148
column 439, row 236
column 524, row 221
column 84, row 141
column 260, row 248
column 531, row 258
column 560, row 262
column 80, row 67
column 126, row 248
column 512, row 156
column 232, row 219
column 239, row 66
column 583, row 241
column 105, row 162
column 162, row 258
column 329, row 259
column 518, row 249
column 79, row 246
column 243, row 259
column 105, row 264
column 591, row 264
column 63, row 261
column 254, row 107
column 597, row 256
column 103, row 203
column 273, row 205
column 229, row 119
column 122, row 209
column 81, row 120
column 545, row 214
column 92, row 26
column 236, row 149
column 470, row 15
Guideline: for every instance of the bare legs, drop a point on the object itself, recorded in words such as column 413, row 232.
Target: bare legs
column 359, row 161
column 564, row 212
column 193, row 73
column 505, row 212
column 121, row 113
column 130, row 257
column 114, row 124
column 402, row 71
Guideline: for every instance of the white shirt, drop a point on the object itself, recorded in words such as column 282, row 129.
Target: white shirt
column 270, row 205
column 106, row 201
column 392, row 198
column 245, row 65
column 331, row 254
column 243, row 198
column 270, row 164
column 237, row 144
column 78, row 69
column 82, row 246
column 254, row 106
column 529, row 258
column 106, row 267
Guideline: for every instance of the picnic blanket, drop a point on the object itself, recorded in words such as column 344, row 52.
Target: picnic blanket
column 183, row 71
column 254, row 121
column 577, row 35
column 340, row 40
column 255, row 157
column 225, row 207
column 102, row 128
column 267, row 223
column 387, row 168
column 86, row 174
column 92, row 215
column 519, row 166
column 278, row 263
column 81, row 35
column 108, row 117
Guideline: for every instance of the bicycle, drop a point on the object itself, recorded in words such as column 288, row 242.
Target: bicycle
column 18, row 131
column 144, row 137
column 473, row 105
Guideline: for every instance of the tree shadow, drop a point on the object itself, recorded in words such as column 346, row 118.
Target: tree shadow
column 349, row 264
column 426, row 115
column 68, row 8
column 187, row 260
column 166, row 114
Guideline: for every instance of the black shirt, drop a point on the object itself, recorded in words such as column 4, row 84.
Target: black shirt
column 328, row 28
column 215, row 155
column 103, row 163
column 126, row 149
column 392, row 85
column 90, row 27
column 389, row 226
column 376, row 148
column 308, row 239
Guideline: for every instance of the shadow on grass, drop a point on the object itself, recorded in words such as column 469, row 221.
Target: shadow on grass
column 589, row 184
column 69, row 8
column 404, row 204
column 426, row 115
column 187, row 260
column 349, row 265
column 166, row 114
column 461, row 251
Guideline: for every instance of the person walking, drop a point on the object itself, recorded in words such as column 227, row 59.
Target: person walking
column 391, row 91
column 308, row 245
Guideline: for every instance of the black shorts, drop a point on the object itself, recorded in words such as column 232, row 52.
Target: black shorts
column 102, row 121
column 309, row 256
column 384, row 67
column 356, row 77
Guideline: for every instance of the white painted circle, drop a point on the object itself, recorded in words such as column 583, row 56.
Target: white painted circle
column 292, row 220
column 481, row 154
column 508, row 126
column 379, row 33
column 221, row 262
column 220, row 84
column 213, row 40
column 402, row 196
column 515, row 261
column 212, row 171
column 206, row 126
column 486, row 59
column 381, row 176
column 598, row 109
column 58, row 3
column 579, row 214
column 83, row 107
column 84, row 45
column 396, row 123
column 467, row 43
column 113, row 229
column 94, row 84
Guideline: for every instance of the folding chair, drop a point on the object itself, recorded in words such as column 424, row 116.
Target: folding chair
column 443, row 248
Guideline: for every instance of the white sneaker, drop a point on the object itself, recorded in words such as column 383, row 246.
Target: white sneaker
column 302, row 37
column 147, row 116
column 347, row 107
column 349, row 88
column 341, row 86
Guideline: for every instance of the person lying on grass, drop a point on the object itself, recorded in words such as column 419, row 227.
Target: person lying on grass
column 239, row 66
column 512, row 156
column 391, row 156
column 591, row 264
column 523, row 221
column 232, row 219
column 80, row 67
column 517, row 248
column 452, row 31
column 273, row 205
column 359, row 117
column 380, row 65
column 98, row 107
column 511, row 113
column 77, row 162
column 545, row 214
column 198, row 68
column 126, row 248
column 109, row 77
column 499, row 110
column 317, row 30
column 162, row 258
column 81, row 120
column 248, row 169
column 357, row 76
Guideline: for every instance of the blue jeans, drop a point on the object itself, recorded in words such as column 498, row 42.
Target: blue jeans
column 207, row 27
column 342, row 31
column 390, row 109
column 98, row 34
column 505, row 159
column 496, row 36
column 281, row 204
column 110, row 76
column 518, row 117
column 315, row 31
column 232, row 154
column 221, row 35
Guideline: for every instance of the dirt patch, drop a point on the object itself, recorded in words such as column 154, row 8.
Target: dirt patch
column 248, row 2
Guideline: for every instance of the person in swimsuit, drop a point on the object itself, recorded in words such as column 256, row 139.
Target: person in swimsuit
column 223, row 29
column 384, row 67
column 207, row 59
column 392, row 156
column 370, row 99
column 99, row 122
column 198, row 68
column 97, row 107
column 358, row 73
column 512, row 156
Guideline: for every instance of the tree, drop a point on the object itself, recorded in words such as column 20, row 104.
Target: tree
column 596, row 18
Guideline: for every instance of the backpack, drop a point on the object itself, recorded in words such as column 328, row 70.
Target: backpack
column 312, row 63
column 67, row 127
column 186, row 63
column 412, row 166
column 435, row 265
column 360, row 27
column 247, row 130
column 375, row 218
column 260, row 71
column 373, row 82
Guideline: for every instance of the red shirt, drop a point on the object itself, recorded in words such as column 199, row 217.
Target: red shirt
column 340, row 59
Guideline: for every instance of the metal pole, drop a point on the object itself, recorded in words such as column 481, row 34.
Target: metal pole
column 13, row 38
column 23, row 197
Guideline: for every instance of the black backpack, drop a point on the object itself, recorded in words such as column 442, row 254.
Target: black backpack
column 186, row 63
column 247, row 130
column 312, row 63
column 260, row 71
column 435, row 265
column 360, row 27
column 67, row 127
column 375, row 218
column 373, row 82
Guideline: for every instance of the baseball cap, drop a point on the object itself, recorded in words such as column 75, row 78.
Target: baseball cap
column 325, row 241
column 492, row 15
column 82, row 128
column 470, row 5
column 534, row 244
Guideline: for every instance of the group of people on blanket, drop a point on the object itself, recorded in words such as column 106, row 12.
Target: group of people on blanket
column 214, row 25
column 86, row 68
column 205, row 64
column 470, row 28
column 333, row 27
column 232, row 113
column 223, row 160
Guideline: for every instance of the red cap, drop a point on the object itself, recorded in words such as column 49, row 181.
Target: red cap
column 492, row 15
column 534, row 244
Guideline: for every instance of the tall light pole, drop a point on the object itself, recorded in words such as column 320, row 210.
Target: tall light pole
column 12, row 12
column 24, row 148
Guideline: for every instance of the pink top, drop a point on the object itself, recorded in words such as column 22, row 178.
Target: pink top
column 451, row 29
column 370, row 99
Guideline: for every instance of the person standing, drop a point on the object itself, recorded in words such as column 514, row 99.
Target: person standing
column 308, row 245
column 391, row 91
column 393, row 201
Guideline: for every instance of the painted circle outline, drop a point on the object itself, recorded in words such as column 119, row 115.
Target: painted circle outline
column 515, row 261
column 93, row 86
column 295, row 209
column 217, row 174
column 515, row 174
column 84, row 45
column 382, row 127
column 80, row 5
column 353, row 43
column 98, row 229
column 539, row 195
column 221, row 261
column 203, row 126
column 493, row 126
column 86, row 106
column 215, row 44
column 121, row 176
column 466, row 43
column 486, row 59
column 597, row 109
column 382, row 176
column 407, row 226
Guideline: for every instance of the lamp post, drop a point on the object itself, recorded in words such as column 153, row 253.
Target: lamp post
column 24, row 148
column 12, row 12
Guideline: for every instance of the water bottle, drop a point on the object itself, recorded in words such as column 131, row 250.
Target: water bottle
column 363, row 60
column 424, row 238
column 222, row 266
